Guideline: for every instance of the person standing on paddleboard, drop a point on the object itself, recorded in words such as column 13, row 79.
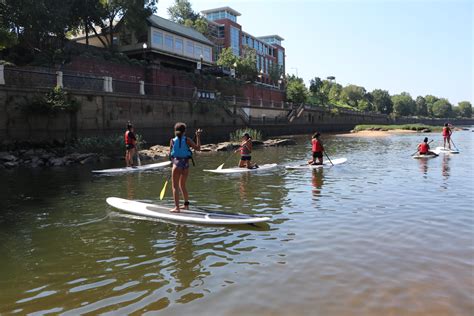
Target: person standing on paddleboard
column 130, row 145
column 245, row 152
column 424, row 148
column 317, row 149
column 447, row 135
column 180, row 153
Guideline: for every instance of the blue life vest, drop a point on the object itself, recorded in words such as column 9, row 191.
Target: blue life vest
column 180, row 148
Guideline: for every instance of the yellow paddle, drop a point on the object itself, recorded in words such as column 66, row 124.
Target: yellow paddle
column 163, row 191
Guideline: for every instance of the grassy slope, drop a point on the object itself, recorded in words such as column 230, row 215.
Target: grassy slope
column 412, row 127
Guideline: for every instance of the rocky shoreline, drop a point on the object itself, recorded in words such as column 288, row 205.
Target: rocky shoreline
column 37, row 158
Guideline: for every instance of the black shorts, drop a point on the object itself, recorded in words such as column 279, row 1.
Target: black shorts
column 317, row 154
column 244, row 158
column 129, row 146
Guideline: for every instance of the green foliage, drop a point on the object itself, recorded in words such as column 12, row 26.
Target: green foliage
column 181, row 11
column 320, row 95
column 421, row 107
column 54, row 101
column 382, row 101
column 403, row 104
column 442, row 108
column 353, row 95
column 227, row 58
column 246, row 64
column 296, row 91
column 430, row 100
column 237, row 135
column 7, row 38
column 465, row 109
column 106, row 145
column 274, row 72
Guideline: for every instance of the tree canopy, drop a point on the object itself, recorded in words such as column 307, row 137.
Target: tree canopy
column 296, row 91
column 403, row 104
column 465, row 109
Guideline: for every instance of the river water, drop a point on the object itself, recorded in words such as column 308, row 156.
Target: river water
column 382, row 234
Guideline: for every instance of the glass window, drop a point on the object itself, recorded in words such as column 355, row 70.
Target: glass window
column 178, row 45
column 207, row 53
column 157, row 39
column 280, row 58
column 169, row 42
column 197, row 51
column 189, row 48
column 266, row 65
column 234, row 40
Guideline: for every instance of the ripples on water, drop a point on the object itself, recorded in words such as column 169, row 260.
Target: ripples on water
column 380, row 235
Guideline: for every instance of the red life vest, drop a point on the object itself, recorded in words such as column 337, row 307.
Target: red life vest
column 424, row 147
column 128, row 139
column 446, row 131
column 317, row 146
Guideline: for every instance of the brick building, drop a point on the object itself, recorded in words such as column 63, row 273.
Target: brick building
column 226, row 32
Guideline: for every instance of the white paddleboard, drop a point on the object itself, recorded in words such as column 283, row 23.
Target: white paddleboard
column 191, row 216
column 446, row 150
column 239, row 170
column 135, row 169
column 337, row 161
column 418, row 156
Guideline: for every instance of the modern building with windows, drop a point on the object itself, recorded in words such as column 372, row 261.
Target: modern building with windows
column 165, row 43
column 225, row 32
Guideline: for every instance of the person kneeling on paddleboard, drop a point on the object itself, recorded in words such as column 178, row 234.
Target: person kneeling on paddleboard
column 130, row 145
column 424, row 148
column 447, row 135
column 245, row 152
column 180, row 153
column 317, row 149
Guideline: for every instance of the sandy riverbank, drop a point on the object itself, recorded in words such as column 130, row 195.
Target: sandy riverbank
column 378, row 133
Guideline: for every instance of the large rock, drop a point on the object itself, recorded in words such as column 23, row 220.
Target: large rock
column 56, row 162
column 89, row 159
column 7, row 157
column 10, row 164
column 279, row 142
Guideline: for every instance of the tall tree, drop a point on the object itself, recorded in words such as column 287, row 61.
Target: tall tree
column 421, row 107
column 316, row 87
column 296, row 90
column 247, row 64
column 465, row 109
column 382, row 101
column 403, row 104
column 227, row 58
column 181, row 11
column 352, row 95
column 442, row 108
column 430, row 100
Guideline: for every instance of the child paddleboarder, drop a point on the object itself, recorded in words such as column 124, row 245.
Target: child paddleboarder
column 447, row 135
column 424, row 148
column 180, row 153
column 245, row 152
column 130, row 145
column 317, row 148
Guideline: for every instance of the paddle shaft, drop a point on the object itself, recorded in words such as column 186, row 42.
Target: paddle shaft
column 328, row 158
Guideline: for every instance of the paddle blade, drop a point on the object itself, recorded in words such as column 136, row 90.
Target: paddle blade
column 220, row 167
column 163, row 191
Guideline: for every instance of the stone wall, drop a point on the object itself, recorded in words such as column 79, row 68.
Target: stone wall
column 154, row 118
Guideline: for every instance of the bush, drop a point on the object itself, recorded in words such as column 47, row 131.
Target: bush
column 54, row 101
column 108, row 145
column 237, row 135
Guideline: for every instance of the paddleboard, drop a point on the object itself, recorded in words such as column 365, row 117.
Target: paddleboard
column 337, row 161
column 191, row 216
column 239, row 170
column 135, row 169
column 446, row 150
column 418, row 156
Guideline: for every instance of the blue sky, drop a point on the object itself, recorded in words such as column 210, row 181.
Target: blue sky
column 419, row 46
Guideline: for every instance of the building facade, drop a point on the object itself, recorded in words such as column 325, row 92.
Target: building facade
column 224, row 31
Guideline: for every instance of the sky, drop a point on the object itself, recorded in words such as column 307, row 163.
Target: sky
column 417, row 46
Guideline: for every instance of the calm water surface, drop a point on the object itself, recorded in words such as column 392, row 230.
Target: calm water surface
column 383, row 234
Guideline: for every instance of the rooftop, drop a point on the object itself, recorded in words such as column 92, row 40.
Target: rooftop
column 173, row 27
column 275, row 36
column 228, row 9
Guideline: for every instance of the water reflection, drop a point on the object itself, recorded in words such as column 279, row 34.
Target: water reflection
column 423, row 166
column 243, row 186
column 317, row 181
column 130, row 187
column 445, row 169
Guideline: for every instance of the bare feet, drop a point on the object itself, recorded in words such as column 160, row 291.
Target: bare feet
column 175, row 210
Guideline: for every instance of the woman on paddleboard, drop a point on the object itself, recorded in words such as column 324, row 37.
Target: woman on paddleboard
column 424, row 148
column 317, row 148
column 245, row 152
column 447, row 135
column 130, row 145
column 180, row 153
